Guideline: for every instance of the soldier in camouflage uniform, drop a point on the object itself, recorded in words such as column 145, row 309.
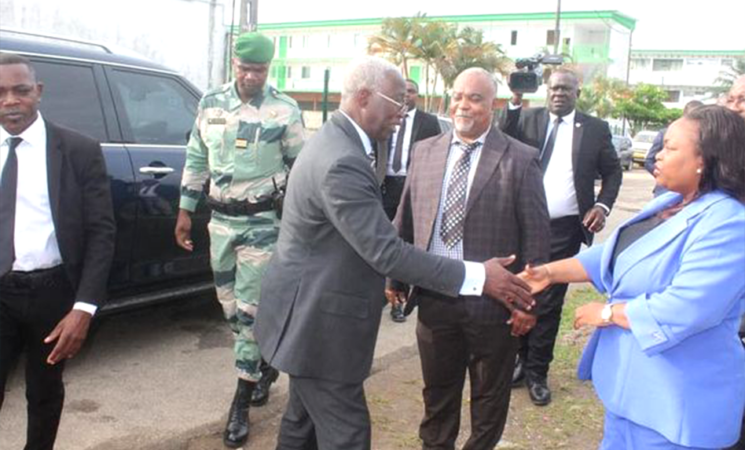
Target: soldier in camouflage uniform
column 244, row 140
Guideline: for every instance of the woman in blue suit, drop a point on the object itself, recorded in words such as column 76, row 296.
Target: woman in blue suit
column 665, row 358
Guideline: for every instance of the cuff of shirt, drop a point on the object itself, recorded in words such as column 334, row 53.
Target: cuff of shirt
column 473, row 284
column 85, row 307
column 188, row 203
column 605, row 208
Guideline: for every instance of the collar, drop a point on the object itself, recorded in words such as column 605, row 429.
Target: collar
column 569, row 118
column 411, row 113
column 254, row 101
column 366, row 142
column 456, row 139
column 33, row 135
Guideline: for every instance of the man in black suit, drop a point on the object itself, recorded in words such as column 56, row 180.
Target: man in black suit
column 416, row 125
column 574, row 147
column 56, row 245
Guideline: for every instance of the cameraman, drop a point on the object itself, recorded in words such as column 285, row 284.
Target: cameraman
column 573, row 147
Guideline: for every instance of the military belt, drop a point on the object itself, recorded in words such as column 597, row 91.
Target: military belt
column 244, row 208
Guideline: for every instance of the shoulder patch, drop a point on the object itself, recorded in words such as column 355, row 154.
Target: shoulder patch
column 283, row 97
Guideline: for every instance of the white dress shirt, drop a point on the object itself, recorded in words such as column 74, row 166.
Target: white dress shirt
column 558, row 181
column 475, row 278
column 409, row 118
column 35, row 240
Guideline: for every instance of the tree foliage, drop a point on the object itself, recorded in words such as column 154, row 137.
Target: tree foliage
column 642, row 107
column 600, row 96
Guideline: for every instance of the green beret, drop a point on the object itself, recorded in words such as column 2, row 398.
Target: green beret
column 254, row 47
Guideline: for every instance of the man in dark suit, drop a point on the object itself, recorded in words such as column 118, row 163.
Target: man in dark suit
column 490, row 185
column 322, row 294
column 56, row 245
column 416, row 125
column 574, row 148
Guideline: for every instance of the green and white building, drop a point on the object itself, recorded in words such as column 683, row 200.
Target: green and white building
column 685, row 74
column 598, row 42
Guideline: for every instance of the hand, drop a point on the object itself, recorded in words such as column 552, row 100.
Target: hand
column 538, row 278
column 521, row 322
column 594, row 219
column 506, row 287
column 395, row 297
column 589, row 314
column 183, row 230
column 70, row 333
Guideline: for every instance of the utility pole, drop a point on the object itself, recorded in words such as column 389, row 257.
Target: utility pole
column 249, row 16
column 557, row 31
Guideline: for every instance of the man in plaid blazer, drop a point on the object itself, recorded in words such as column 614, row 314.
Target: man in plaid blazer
column 502, row 213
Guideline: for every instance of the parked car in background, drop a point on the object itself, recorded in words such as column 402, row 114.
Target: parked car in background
column 641, row 144
column 623, row 146
column 142, row 113
column 446, row 124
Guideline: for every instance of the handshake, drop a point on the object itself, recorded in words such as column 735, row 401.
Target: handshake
column 514, row 292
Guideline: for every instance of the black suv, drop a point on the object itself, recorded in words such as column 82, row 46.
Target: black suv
column 142, row 114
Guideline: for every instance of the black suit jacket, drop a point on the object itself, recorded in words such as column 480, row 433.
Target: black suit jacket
column 592, row 153
column 82, row 211
column 425, row 126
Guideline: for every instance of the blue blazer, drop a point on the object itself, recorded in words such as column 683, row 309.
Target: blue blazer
column 680, row 370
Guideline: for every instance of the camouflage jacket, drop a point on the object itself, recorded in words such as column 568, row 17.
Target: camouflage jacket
column 240, row 147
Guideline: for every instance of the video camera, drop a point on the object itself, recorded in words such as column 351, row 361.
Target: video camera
column 528, row 76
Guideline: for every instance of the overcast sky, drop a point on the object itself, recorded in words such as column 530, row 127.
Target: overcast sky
column 661, row 24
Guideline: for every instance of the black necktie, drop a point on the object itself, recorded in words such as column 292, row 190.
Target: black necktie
column 399, row 146
column 454, row 210
column 548, row 149
column 8, row 186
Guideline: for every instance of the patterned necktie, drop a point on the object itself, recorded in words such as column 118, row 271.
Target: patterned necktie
column 398, row 151
column 454, row 209
column 8, row 186
column 548, row 149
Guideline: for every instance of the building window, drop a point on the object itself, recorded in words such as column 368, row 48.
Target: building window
column 639, row 63
column 673, row 97
column 513, row 37
column 305, row 72
column 567, row 41
column 328, row 41
column 667, row 65
column 727, row 62
column 289, row 72
column 550, row 37
column 289, row 41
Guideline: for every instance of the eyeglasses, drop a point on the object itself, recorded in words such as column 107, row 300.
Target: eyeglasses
column 401, row 106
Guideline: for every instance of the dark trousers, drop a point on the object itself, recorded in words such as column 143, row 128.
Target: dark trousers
column 323, row 414
column 537, row 347
column 392, row 189
column 451, row 342
column 29, row 311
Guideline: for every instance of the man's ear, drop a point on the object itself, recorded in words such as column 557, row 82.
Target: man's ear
column 579, row 92
column 363, row 97
column 494, row 103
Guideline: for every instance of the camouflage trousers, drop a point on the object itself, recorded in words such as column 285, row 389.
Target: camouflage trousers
column 240, row 248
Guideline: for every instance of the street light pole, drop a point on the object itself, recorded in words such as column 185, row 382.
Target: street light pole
column 557, row 31
column 249, row 17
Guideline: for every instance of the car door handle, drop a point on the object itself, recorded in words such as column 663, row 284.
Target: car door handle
column 156, row 170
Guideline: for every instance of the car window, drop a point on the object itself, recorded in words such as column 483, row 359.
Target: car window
column 70, row 97
column 158, row 109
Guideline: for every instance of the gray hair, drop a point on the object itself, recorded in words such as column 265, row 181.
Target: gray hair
column 485, row 73
column 367, row 72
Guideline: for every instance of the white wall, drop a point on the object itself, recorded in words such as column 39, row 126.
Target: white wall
column 175, row 33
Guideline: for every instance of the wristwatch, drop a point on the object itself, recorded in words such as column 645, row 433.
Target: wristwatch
column 606, row 315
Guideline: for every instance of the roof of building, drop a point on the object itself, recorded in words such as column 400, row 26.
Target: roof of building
column 640, row 52
column 614, row 16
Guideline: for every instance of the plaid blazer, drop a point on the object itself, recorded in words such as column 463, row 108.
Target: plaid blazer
column 506, row 211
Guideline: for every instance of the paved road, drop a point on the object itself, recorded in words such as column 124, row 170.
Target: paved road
column 160, row 377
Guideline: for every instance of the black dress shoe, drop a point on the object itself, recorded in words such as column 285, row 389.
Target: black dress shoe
column 397, row 314
column 538, row 389
column 518, row 374
column 260, row 395
column 236, row 430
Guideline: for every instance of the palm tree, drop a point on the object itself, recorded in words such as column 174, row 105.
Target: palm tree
column 468, row 50
column 599, row 97
column 729, row 75
column 434, row 37
column 397, row 41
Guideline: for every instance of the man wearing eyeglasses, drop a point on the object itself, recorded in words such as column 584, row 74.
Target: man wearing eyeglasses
column 321, row 297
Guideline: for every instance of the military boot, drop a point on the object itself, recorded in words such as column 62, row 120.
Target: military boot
column 236, row 430
column 260, row 395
